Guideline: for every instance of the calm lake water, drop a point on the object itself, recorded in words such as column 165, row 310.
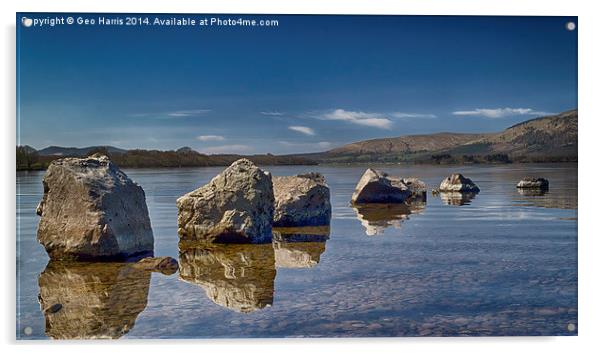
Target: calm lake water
column 501, row 263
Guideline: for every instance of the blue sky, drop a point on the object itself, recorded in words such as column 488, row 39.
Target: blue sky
column 310, row 84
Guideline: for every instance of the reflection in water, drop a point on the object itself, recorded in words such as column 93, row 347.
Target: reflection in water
column 299, row 247
column 377, row 217
column 91, row 300
column 532, row 192
column 546, row 198
column 239, row 277
column 457, row 198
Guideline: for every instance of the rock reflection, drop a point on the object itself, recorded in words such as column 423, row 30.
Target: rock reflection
column 299, row 247
column 239, row 277
column 532, row 192
column 377, row 217
column 457, row 198
column 91, row 300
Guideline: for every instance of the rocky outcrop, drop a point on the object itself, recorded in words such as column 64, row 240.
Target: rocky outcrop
column 236, row 206
column 376, row 187
column 533, row 183
column 82, row 300
column 375, row 218
column 239, row 277
column 302, row 200
column 164, row 264
column 458, row 183
column 91, row 209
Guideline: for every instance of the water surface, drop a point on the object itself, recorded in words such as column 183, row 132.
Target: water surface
column 497, row 263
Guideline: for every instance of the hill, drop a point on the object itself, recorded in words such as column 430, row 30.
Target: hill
column 544, row 139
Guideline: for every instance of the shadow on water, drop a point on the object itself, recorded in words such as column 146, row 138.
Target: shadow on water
column 457, row 198
column 91, row 300
column 239, row 277
column 375, row 218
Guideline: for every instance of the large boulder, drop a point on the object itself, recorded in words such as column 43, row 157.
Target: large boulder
column 91, row 300
column 236, row 206
column 239, row 277
column 458, row 183
column 533, row 183
column 91, row 209
column 376, row 187
column 302, row 200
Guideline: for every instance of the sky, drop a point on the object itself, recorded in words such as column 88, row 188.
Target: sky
column 309, row 84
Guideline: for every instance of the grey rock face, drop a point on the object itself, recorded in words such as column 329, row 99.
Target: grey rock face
column 533, row 183
column 239, row 277
column 376, row 187
column 91, row 209
column 237, row 206
column 458, row 183
column 302, row 200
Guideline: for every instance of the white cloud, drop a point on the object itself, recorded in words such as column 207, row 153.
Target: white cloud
column 360, row 118
column 497, row 113
column 208, row 138
column 272, row 113
column 401, row 115
column 303, row 129
column 228, row 149
column 187, row 113
column 321, row 144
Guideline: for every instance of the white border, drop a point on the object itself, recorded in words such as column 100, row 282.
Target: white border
column 590, row 60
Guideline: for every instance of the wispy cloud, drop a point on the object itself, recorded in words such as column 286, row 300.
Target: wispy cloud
column 228, row 149
column 172, row 114
column 188, row 113
column 209, row 138
column 376, row 120
column 401, row 115
column 497, row 113
column 303, row 129
column 273, row 113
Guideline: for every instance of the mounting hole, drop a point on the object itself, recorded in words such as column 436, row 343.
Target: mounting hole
column 571, row 26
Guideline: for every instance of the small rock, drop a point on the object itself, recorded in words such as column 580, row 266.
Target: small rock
column 54, row 308
column 417, row 187
column 533, row 183
column 376, row 187
column 302, row 200
column 237, row 206
column 458, row 183
column 164, row 264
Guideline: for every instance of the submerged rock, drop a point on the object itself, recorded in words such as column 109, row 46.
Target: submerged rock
column 533, row 183
column 91, row 209
column 239, row 277
column 236, row 206
column 82, row 300
column 376, row 187
column 302, row 200
column 458, row 183
column 164, row 264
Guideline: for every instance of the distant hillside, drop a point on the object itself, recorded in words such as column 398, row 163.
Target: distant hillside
column 550, row 138
column 74, row 151
column 30, row 159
